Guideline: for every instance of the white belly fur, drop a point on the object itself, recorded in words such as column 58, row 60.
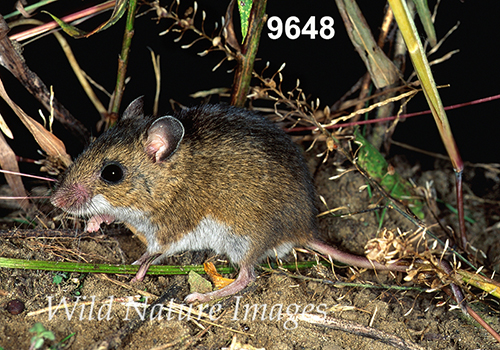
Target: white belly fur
column 209, row 234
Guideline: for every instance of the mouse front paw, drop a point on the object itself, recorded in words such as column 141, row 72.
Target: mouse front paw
column 94, row 223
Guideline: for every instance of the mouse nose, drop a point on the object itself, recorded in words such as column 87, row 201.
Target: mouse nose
column 71, row 197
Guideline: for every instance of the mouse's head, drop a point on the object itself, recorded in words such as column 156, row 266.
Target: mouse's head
column 119, row 169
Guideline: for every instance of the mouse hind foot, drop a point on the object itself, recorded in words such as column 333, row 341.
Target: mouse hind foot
column 245, row 276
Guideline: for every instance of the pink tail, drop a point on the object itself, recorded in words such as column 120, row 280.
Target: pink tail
column 351, row 259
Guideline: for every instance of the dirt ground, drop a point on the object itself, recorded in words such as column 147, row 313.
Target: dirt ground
column 427, row 319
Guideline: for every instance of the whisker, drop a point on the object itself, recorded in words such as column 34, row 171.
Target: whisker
column 34, row 197
column 27, row 175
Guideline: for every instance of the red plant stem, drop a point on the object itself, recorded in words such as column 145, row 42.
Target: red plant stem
column 475, row 316
column 69, row 18
column 403, row 116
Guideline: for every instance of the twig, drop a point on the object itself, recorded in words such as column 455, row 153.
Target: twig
column 246, row 58
column 357, row 329
column 14, row 62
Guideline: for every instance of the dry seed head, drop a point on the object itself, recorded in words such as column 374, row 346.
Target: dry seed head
column 161, row 12
column 218, row 64
column 410, row 275
column 270, row 83
column 434, row 245
column 330, row 144
column 178, row 38
column 362, row 188
column 326, row 112
column 322, row 199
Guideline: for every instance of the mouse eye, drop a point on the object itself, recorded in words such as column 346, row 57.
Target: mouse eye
column 112, row 173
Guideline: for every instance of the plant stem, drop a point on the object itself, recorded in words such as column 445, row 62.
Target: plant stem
column 419, row 60
column 29, row 8
column 246, row 57
column 101, row 268
column 124, row 57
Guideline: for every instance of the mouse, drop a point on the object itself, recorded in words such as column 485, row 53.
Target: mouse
column 207, row 177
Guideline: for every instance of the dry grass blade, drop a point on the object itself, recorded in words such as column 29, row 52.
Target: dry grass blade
column 5, row 128
column 382, row 71
column 45, row 139
column 84, row 80
column 229, row 33
column 12, row 60
column 8, row 162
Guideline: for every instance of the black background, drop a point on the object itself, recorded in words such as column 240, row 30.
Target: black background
column 326, row 68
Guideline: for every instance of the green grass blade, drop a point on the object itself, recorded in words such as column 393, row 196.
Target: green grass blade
column 426, row 18
column 102, row 268
column 419, row 60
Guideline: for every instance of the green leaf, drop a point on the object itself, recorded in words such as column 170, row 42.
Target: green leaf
column 118, row 12
column 48, row 335
column 68, row 29
column 37, row 342
column 37, row 328
column 57, row 279
column 370, row 159
column 244, row 7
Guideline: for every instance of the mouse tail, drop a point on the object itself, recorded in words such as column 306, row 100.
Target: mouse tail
column 351, row 259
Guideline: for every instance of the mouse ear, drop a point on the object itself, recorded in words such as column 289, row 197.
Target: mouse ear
column 163, row 138
column 135, row 109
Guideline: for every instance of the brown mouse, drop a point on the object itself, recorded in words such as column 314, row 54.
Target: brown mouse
column 210, row 177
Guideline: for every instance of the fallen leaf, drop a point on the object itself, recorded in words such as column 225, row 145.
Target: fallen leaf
column 198, row 284
column 217, row 279
column 8, row 162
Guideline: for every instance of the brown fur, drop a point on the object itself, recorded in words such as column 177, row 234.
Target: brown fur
column 223, row 163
